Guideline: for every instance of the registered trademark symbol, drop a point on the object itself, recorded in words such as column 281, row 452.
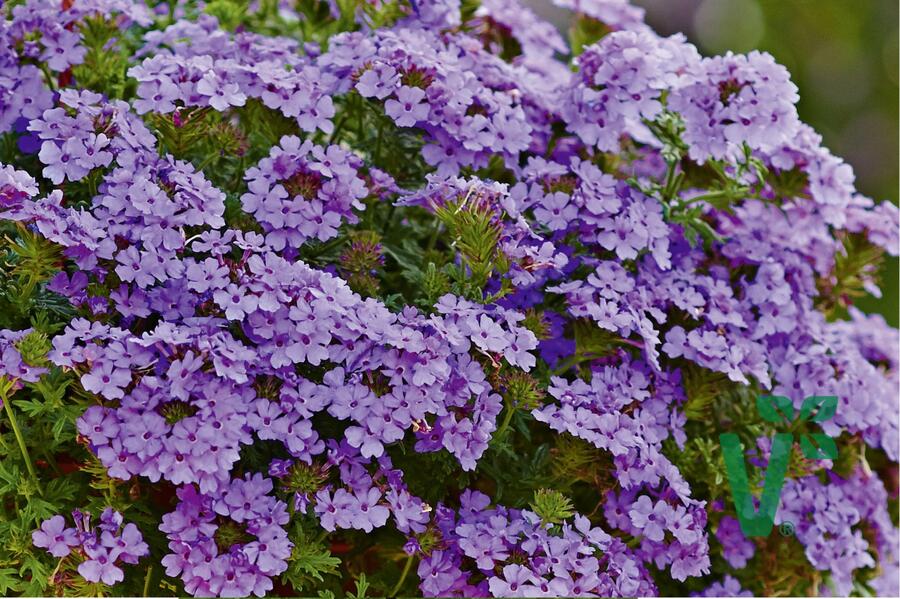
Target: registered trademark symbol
column 786, row 528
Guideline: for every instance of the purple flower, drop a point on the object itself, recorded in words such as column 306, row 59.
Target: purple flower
column 55, row 537
column 107, row 380
column 649, row 518
column 100, row 565
column 235, row 301
column 103, row 545
column 63, row 162
column 516, row 582
column 221, row 95
column 378, row 82
column 408, row 108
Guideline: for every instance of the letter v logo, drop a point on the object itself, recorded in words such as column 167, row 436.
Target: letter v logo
column 753, row 523
column 781, row 411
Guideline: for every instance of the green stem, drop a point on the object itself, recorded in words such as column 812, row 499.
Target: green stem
column 432, row 241
column 51, row 80
column 337, row 129
column 147, row 581
column 399, row 585
column 7, row 404
column 573, row 360
column 507, row 418
column 721, row 193
column 56, row 569
column 669, row 191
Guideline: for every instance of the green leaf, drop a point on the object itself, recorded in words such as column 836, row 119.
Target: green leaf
column 702, row 387
column 31, row 407
column 362, row 586
column 9, row 581
column 584, row 32
column 39, row 573
column 39, row 510
column 310, row 560
column 407, row 254
column 552, row 506
column 9, row 476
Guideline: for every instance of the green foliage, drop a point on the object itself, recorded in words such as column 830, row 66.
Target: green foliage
column 230, row 13
column 474, row 229
column 584, row 32
column 552, row 506
column 208, row 140
column 34, row 347
column 310, row 560
column 9, row 581
column 522, row 391
column 701, row 387
column 855, row 269
column 107, row 58
column 591, row 342
column 701, row 461
column 536, row 322
column 361, row 587
column 26, row 261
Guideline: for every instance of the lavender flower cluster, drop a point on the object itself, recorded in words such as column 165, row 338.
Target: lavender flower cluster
column 643, row 221
column 100, row 547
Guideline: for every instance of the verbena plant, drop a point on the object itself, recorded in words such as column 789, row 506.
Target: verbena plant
column 370, row 297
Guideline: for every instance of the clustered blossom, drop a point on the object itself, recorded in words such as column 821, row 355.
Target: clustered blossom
column 520, row 557
column 736, row 548
column 12, row 367
column 735, row 100
column 621, row 81
column 844, row 526
column 615, row 14
column 211, row 319
column 728, row 587
column 603, row 414
column 229, row 545
column 40, row 31
column 196, row 64
column 302, row 191
column 99, row 548
column 434, row 84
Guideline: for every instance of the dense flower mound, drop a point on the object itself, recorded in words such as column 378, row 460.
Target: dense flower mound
column 396, row 297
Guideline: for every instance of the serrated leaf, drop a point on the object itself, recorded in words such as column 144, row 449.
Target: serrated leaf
column 39, row 509
column 9, row 581
column 362, row 585
column 407, row 256
column 310, row 560
column 31, row 407
column 9, row 476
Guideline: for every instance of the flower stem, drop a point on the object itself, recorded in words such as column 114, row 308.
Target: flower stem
column 55, row 570
column 510, row 410
column 399, row 585
column 147, row 581
column 7, row 404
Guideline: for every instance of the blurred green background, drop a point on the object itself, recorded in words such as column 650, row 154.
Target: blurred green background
column 842, row 54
